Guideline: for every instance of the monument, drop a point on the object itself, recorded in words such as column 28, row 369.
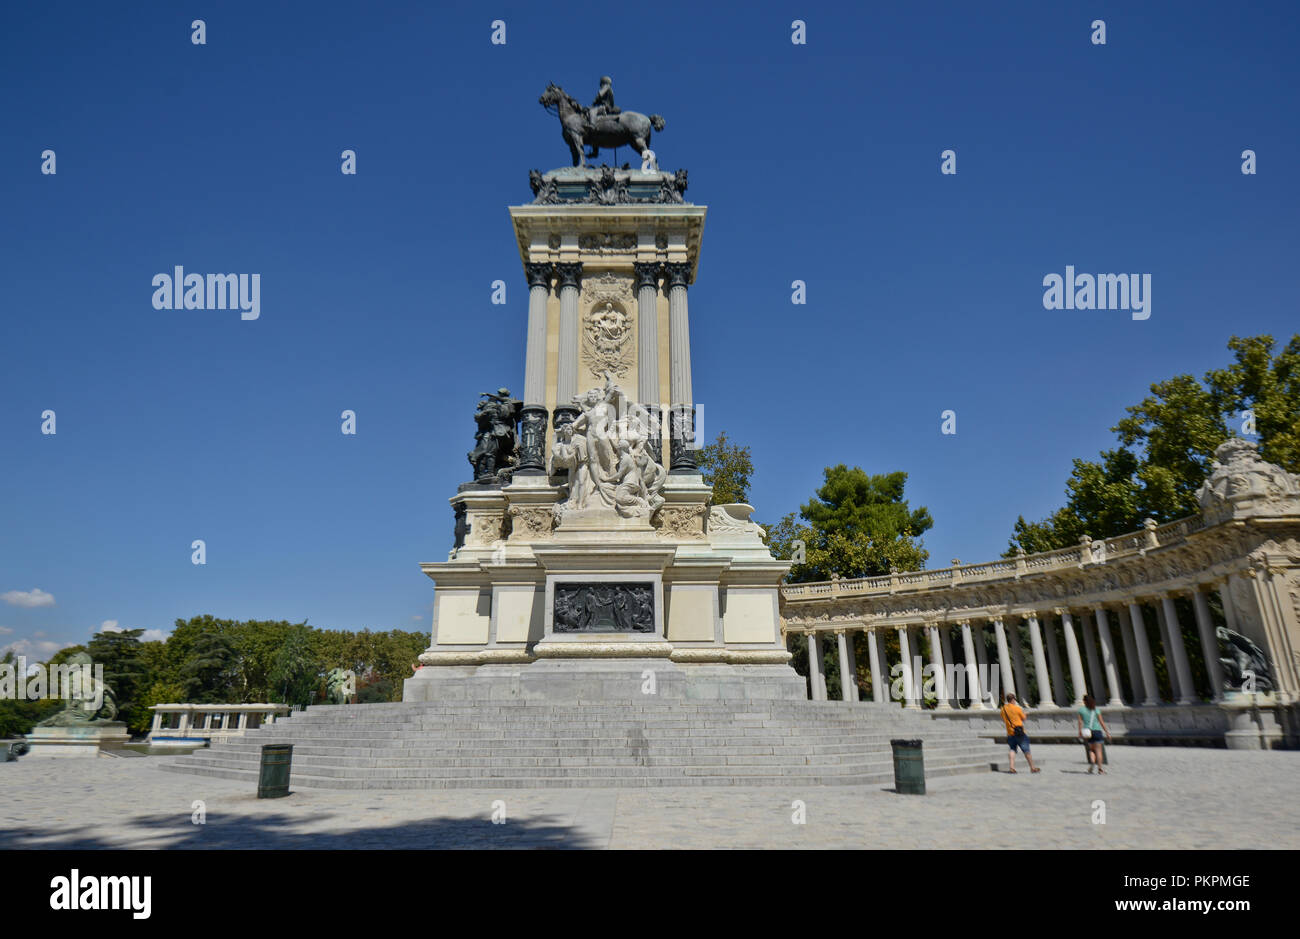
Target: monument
column 588, row 559
column 86, row 724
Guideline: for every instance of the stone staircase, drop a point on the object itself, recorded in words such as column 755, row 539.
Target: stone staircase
column 529, row 745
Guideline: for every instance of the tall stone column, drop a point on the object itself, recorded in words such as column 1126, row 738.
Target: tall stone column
column 1171, row 669
column 816, row 682
column 945, row 638
column 917, row 666
column 1209, row 644
column 1054, row 661
column 982, row 660
column 647, row 358
column 1004, row 657
column 539, row 290
column 1109, row 661
column 879, row 690
column 1018, row 666
column 940, row 676
column 647, row 332
column 1150, row 690
column 1096, row 681
column 1186, row 688
column 1072, row 653
column 1130, row 655
column 682, row 423
column 851, row 648
column 1044, row 680
column 905, row 653
column 973, row 687
column 569, row 277
column 532, row 422
column 846, row 679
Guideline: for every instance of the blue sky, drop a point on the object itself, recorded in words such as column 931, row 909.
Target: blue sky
column 817, row 162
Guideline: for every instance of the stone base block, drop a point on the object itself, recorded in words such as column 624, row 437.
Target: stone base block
column 88, row 740
column 594, row 681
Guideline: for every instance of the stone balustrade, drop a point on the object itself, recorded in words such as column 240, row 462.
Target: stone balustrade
column 1113, row 605
column 210, row 721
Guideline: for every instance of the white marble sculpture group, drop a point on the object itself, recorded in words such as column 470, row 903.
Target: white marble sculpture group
column 606, row 451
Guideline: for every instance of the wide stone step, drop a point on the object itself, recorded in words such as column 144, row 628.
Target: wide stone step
column 433, row 765
column 584, row 782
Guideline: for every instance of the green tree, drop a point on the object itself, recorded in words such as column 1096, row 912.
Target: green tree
column 295, row 672
column 726, row 467
column 857, row 525
column 119, row 653
column 1167, row 443
column 20, row 715
column 208, row 675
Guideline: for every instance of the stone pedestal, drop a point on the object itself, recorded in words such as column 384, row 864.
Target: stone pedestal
column 80, row 740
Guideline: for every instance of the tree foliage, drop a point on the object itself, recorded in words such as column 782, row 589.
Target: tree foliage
column 726, row 467
column 856, row 525
column 1167, row 443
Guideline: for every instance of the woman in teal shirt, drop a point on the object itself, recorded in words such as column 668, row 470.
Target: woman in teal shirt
column 1092, row 730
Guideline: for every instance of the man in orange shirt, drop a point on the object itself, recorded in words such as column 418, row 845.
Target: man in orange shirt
column 1014, row 718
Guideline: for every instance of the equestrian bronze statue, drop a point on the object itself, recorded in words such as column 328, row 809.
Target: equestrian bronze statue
column 601, row 125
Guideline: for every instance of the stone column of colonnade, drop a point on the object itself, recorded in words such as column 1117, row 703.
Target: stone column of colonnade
column 1018, row 665
column 1209, row 643
column 1176, row 651
column 1077, row 681
column 910, row 691
column 876, row 652
column 816, row 680
column 1090, row 654
column 1008, row 680
column 945, row 639
column 848, row 666
column 1130, row 655
column 1054, row 661
column 1146, row 664
column 1109, row 661
column 974, row 687
column 1036, row 649
column 940, row 674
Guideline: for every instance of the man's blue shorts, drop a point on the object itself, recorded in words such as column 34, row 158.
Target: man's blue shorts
column 1018, row 741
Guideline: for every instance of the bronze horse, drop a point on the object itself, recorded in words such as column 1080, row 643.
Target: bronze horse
column 627, row 128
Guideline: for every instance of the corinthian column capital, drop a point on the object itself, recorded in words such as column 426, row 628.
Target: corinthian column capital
column 538, row 273
column 646, row 274
column 678, row 274
column 569, row 274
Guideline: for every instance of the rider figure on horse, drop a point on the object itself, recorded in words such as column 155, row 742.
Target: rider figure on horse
column 604, row 103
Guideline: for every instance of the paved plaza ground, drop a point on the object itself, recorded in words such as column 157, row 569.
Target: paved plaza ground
column 1161, row 798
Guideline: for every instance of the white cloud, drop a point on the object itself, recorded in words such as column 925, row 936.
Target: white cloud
column 36, row 650
column 28, row 598
column 5, row 630
column 149, row 635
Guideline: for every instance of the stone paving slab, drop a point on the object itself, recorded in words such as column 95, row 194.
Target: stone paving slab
column 1160, row 798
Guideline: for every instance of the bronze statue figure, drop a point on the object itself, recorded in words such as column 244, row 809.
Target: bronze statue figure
column 601, row 125
column 493, row 456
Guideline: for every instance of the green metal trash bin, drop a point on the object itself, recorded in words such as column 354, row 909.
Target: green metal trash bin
column 273, row 780
column 909, row 767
